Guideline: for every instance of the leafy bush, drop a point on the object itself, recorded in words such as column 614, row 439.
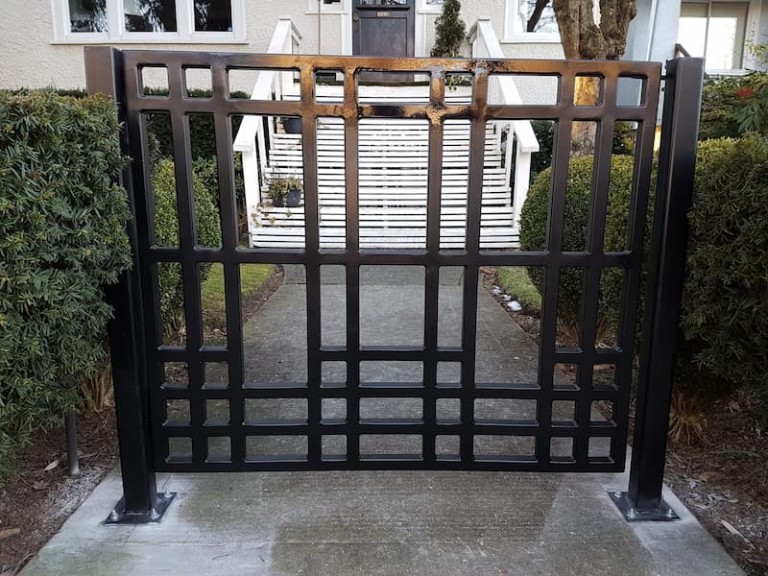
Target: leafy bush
column 533, row 230
column 718, row 108
column 167, row 232
column 623, row 142
column 450, row 31
column 725, row 316
column 202, row 131
column 62, row 222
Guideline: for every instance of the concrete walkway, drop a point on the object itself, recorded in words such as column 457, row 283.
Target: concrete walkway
column 382, row 523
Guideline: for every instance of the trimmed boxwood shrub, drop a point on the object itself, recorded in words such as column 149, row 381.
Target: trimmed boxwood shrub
column 167, row 232
column 725, row 316
column 533, row 230
column 62, row 221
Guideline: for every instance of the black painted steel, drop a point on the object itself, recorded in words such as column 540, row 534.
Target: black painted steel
column 677, row 161
column 142, row 394
column 141, row 502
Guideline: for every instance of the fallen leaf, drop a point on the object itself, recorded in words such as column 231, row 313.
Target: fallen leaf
column 52, row 465
column 8, row 532
column 730, row 528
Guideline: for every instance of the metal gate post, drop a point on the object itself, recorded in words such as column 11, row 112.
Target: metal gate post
column 674, row 194
column 141, row 502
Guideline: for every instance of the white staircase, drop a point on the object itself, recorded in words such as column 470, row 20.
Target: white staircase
column 392, row 181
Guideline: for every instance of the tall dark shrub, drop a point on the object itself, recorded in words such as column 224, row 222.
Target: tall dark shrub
column 450, row 31
column 725, row 316
column 62, row 238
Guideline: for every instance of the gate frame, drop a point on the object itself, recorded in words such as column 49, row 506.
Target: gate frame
column 142, row 502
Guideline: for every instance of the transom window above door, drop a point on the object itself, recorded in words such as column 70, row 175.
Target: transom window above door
column 173, row 21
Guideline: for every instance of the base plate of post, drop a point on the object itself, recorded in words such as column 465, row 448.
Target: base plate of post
column 663, row 513
column 120, row 516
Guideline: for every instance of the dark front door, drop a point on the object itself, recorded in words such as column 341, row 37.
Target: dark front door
column 383, row 28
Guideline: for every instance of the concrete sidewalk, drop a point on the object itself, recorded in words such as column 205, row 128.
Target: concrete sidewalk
column 383, row 523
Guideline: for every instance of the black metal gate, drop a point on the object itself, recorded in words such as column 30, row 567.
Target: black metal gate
column 139, row 353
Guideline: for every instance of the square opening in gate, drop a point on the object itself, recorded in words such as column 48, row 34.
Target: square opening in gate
column 372, row 445
column 561, row 449
column 279, row 448
column 511, row 447
column 217, row 413
column 397, row 372
column 334, row 410
column 153, row 81
column 392, row 305
column 198, row 82
column 284, row 410
column 215, row 376
column 177, row 413
column 449, row 374
column 447, row 447
column 448, row 410
column 373, row 409
column 219, row 449
column 333, row 302
column 506, row 410
column 179, row 450
column 334, row 447
column 274, row 329
column 175, row 375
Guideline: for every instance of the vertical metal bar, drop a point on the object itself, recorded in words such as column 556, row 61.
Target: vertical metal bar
column 674, row 195
column 592, row 274
column 432, row 280
column 73, row 459
column 555, row 221
column 638, row 210
column 232, row 292
column 190, row 269
column 472, row 268
column 140, row 502
column 312, row 255
column 352, row 226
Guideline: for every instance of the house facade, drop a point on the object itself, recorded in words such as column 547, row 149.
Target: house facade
column 41, row 41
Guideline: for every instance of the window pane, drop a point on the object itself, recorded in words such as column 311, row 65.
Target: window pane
column 88, row 15
column 726, row 35
column 538, row 16
column 150, row 15
column 213, row 16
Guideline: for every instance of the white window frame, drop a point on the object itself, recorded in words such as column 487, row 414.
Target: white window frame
column 342, row 7
column 423, row 8
column 186, row 34
column 514, row 26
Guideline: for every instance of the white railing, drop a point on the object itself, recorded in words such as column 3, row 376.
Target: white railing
column 485, row 44
column 254, row 132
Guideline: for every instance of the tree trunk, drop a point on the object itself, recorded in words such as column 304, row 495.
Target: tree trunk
column 583, row 39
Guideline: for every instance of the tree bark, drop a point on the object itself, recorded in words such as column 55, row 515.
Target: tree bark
column 583, row 39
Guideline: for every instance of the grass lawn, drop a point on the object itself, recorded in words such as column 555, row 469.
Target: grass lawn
column 252, row 278
column 515, row 282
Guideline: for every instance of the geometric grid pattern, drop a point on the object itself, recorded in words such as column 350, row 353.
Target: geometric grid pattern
column 533, row 438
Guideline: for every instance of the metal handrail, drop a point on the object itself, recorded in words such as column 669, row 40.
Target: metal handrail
column 251, row 138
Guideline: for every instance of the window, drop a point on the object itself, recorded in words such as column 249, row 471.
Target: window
column 328, row 6
column 531, row 21
column 199, row 21
column 714, row 31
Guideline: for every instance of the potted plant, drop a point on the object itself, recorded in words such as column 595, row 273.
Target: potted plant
column 284, row 191
column 291, row 124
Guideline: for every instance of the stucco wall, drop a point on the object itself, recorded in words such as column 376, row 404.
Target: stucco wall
column 29, row 56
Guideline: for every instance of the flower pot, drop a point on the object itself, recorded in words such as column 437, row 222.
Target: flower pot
column 278, row 202
column 293, row 200
column 291, row 125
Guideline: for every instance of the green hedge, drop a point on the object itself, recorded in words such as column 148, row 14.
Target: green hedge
column 62, row 237
column 167, row 232
column 725, row 316
column 533, row 230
